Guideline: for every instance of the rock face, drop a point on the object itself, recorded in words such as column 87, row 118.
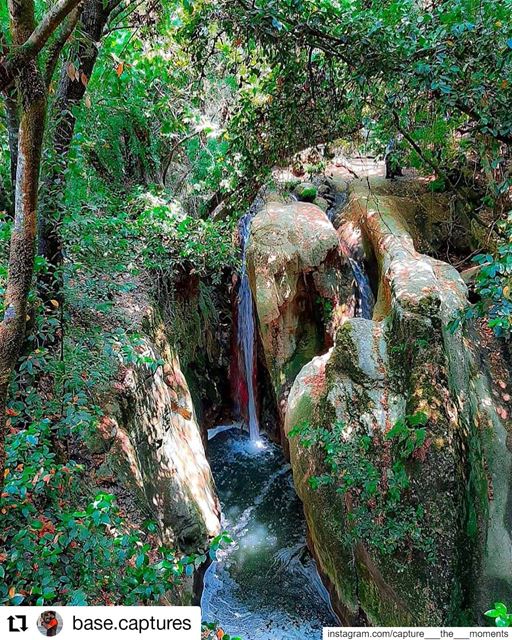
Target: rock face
column 400, row 522
column 298, row 279
column 155, row 442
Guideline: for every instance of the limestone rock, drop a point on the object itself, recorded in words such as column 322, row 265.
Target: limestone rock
column 156, row 445
column 404, row 362
column 298, row 279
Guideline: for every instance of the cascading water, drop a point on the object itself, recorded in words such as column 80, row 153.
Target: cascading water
column 265, row 586
column 365, row 299
column 246, row 327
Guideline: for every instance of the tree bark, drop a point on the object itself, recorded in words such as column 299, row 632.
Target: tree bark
column 68, row 26
column 32, row 94
column 13, row 125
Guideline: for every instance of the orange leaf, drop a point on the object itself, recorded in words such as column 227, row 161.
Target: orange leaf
column 71, row 71
column 120, row 69
column 84, row 79
column 54, row 304
column 12, row 412
column 12, row 591
column 6, row 473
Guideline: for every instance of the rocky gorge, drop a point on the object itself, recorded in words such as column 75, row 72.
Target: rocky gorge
column 382, row 404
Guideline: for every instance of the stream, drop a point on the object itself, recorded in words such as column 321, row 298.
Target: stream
column 265, row 586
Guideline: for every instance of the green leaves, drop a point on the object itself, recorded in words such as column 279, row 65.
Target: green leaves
column 55, row 551
column 380, row 513
column 405, row 433
column 500, row 615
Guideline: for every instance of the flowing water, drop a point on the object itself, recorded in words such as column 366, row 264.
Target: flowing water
column 265, row 586
column 365, row 299
column 340, row 200
column 246, row 327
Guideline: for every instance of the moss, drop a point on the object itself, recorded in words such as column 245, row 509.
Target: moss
column 345, row 357
column 306, row 192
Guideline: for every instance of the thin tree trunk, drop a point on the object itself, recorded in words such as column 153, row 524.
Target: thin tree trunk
column 32, row 94
column 94, row 17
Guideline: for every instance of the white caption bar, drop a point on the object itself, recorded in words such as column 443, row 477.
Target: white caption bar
column 126, row 623
column 415, row 633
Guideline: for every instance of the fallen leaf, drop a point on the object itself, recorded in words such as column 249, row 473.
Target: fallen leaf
column 120, row 69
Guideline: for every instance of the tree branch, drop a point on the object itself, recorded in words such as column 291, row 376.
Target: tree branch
column 68, row 26
column 11, row 64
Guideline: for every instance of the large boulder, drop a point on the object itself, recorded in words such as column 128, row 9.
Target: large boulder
column 298, row 279
column 154, row 441
column 389, row 435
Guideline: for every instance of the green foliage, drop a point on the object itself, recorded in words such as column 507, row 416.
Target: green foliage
column 380, row 514
column 171, row 239
column 500, row 615
column 407, row 436
column 56, row 553
column 493, row 285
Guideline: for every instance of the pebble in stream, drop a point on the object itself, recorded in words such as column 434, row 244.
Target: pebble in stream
column 266, row 586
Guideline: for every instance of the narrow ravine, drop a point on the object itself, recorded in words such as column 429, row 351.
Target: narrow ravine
column 266, row 586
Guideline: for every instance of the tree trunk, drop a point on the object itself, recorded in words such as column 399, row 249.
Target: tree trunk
column 23, row 240
column 70, row 92
column 26, row 49
column 13, row 125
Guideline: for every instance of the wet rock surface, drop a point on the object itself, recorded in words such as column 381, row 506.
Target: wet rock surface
column 405, row 361
column 299, row 279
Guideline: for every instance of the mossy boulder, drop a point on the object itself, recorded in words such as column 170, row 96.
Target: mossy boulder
column 418, row 559
column 306, row 191
column 321, row 203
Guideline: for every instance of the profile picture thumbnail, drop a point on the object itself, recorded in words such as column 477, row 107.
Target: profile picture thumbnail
column 49, row 623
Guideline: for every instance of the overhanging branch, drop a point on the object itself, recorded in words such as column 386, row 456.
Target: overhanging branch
column 16, row 60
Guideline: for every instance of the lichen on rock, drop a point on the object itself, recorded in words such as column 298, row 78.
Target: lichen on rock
column 406, row 362
column 298, row 280
column 154, row 442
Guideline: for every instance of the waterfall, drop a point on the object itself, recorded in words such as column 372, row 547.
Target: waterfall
column 365, row 299
column 246, row 327
column 364, row 293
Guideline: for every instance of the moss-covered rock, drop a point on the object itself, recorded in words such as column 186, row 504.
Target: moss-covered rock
column 306, row 191
column 419, row 559
column 154, row 442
